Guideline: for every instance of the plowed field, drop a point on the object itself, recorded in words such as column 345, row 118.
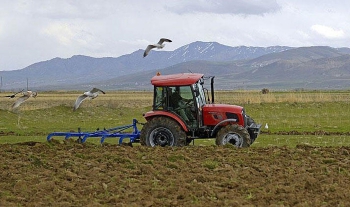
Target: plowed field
column 72, row 174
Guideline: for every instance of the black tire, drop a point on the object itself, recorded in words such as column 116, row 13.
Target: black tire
column 233, row 134
column 162, row 131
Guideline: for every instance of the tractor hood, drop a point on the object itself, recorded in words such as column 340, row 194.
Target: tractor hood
column 214, row 113
column 222, row 108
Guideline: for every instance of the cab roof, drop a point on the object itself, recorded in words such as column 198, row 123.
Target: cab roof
column 180, row 79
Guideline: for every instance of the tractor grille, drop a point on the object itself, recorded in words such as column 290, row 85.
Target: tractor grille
column 244, row 117
column 232, row 116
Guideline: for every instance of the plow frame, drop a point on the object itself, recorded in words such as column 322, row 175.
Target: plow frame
column 106, row 133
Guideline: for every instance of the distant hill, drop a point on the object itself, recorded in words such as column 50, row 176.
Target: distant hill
column 59, row 73
column 307, row 67
column 244, row 67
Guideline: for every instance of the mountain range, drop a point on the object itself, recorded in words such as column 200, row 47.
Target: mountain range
column 275, row 67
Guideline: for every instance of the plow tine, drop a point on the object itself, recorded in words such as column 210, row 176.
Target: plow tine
column 49, row 137
column 121, row 140
column 103, row 139
column 84, row 138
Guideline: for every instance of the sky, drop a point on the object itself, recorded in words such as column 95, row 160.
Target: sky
column 38, row 30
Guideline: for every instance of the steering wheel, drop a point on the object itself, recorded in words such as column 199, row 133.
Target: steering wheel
column 188, row 102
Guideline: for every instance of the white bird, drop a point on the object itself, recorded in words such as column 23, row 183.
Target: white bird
column 266, row 126
column 23, row 98
column 88, row 94
column 159, row 45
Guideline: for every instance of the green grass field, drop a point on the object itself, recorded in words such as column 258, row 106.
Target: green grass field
column 309, row 115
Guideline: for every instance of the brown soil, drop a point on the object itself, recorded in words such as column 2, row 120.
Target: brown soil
column 71, row 174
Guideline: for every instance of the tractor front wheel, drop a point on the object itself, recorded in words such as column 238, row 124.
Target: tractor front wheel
column 162, row 131
column 233, row 134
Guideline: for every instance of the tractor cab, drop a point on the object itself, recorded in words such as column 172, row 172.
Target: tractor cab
column 184, row 99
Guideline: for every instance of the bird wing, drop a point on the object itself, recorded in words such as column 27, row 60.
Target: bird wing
column 163, row 40
column 79, row 100
column 94, row 90
column 149, row 47
column 19, row 101
column 19, row 92
column 14, row 95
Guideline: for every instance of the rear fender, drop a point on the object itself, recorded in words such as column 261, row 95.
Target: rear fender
column 151, row 114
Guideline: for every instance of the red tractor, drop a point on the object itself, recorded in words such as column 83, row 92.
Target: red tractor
column 183, row 111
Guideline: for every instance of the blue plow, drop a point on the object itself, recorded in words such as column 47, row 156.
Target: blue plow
column 117, row 132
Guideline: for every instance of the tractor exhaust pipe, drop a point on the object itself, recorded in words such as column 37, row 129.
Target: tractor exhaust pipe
column 212, row 88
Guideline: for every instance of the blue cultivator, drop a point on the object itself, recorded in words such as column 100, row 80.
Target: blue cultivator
column 103, row 134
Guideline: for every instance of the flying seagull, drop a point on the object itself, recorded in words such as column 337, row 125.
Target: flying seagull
column 14, row 95
column 88, row 94
column 159, row 45
column 23, row 98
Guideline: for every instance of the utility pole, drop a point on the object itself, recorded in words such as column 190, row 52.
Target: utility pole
column 27, row 84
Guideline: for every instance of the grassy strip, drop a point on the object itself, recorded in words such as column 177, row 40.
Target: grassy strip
column 284, row 112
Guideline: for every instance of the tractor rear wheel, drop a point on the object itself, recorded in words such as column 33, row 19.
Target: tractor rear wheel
column 233, row 134
column 162, row 131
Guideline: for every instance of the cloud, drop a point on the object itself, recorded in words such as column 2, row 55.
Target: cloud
column 71, row 35
column 61, row 9
column 253, row 7
column 328, row 32
column 62, row 32
column 40, row 30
